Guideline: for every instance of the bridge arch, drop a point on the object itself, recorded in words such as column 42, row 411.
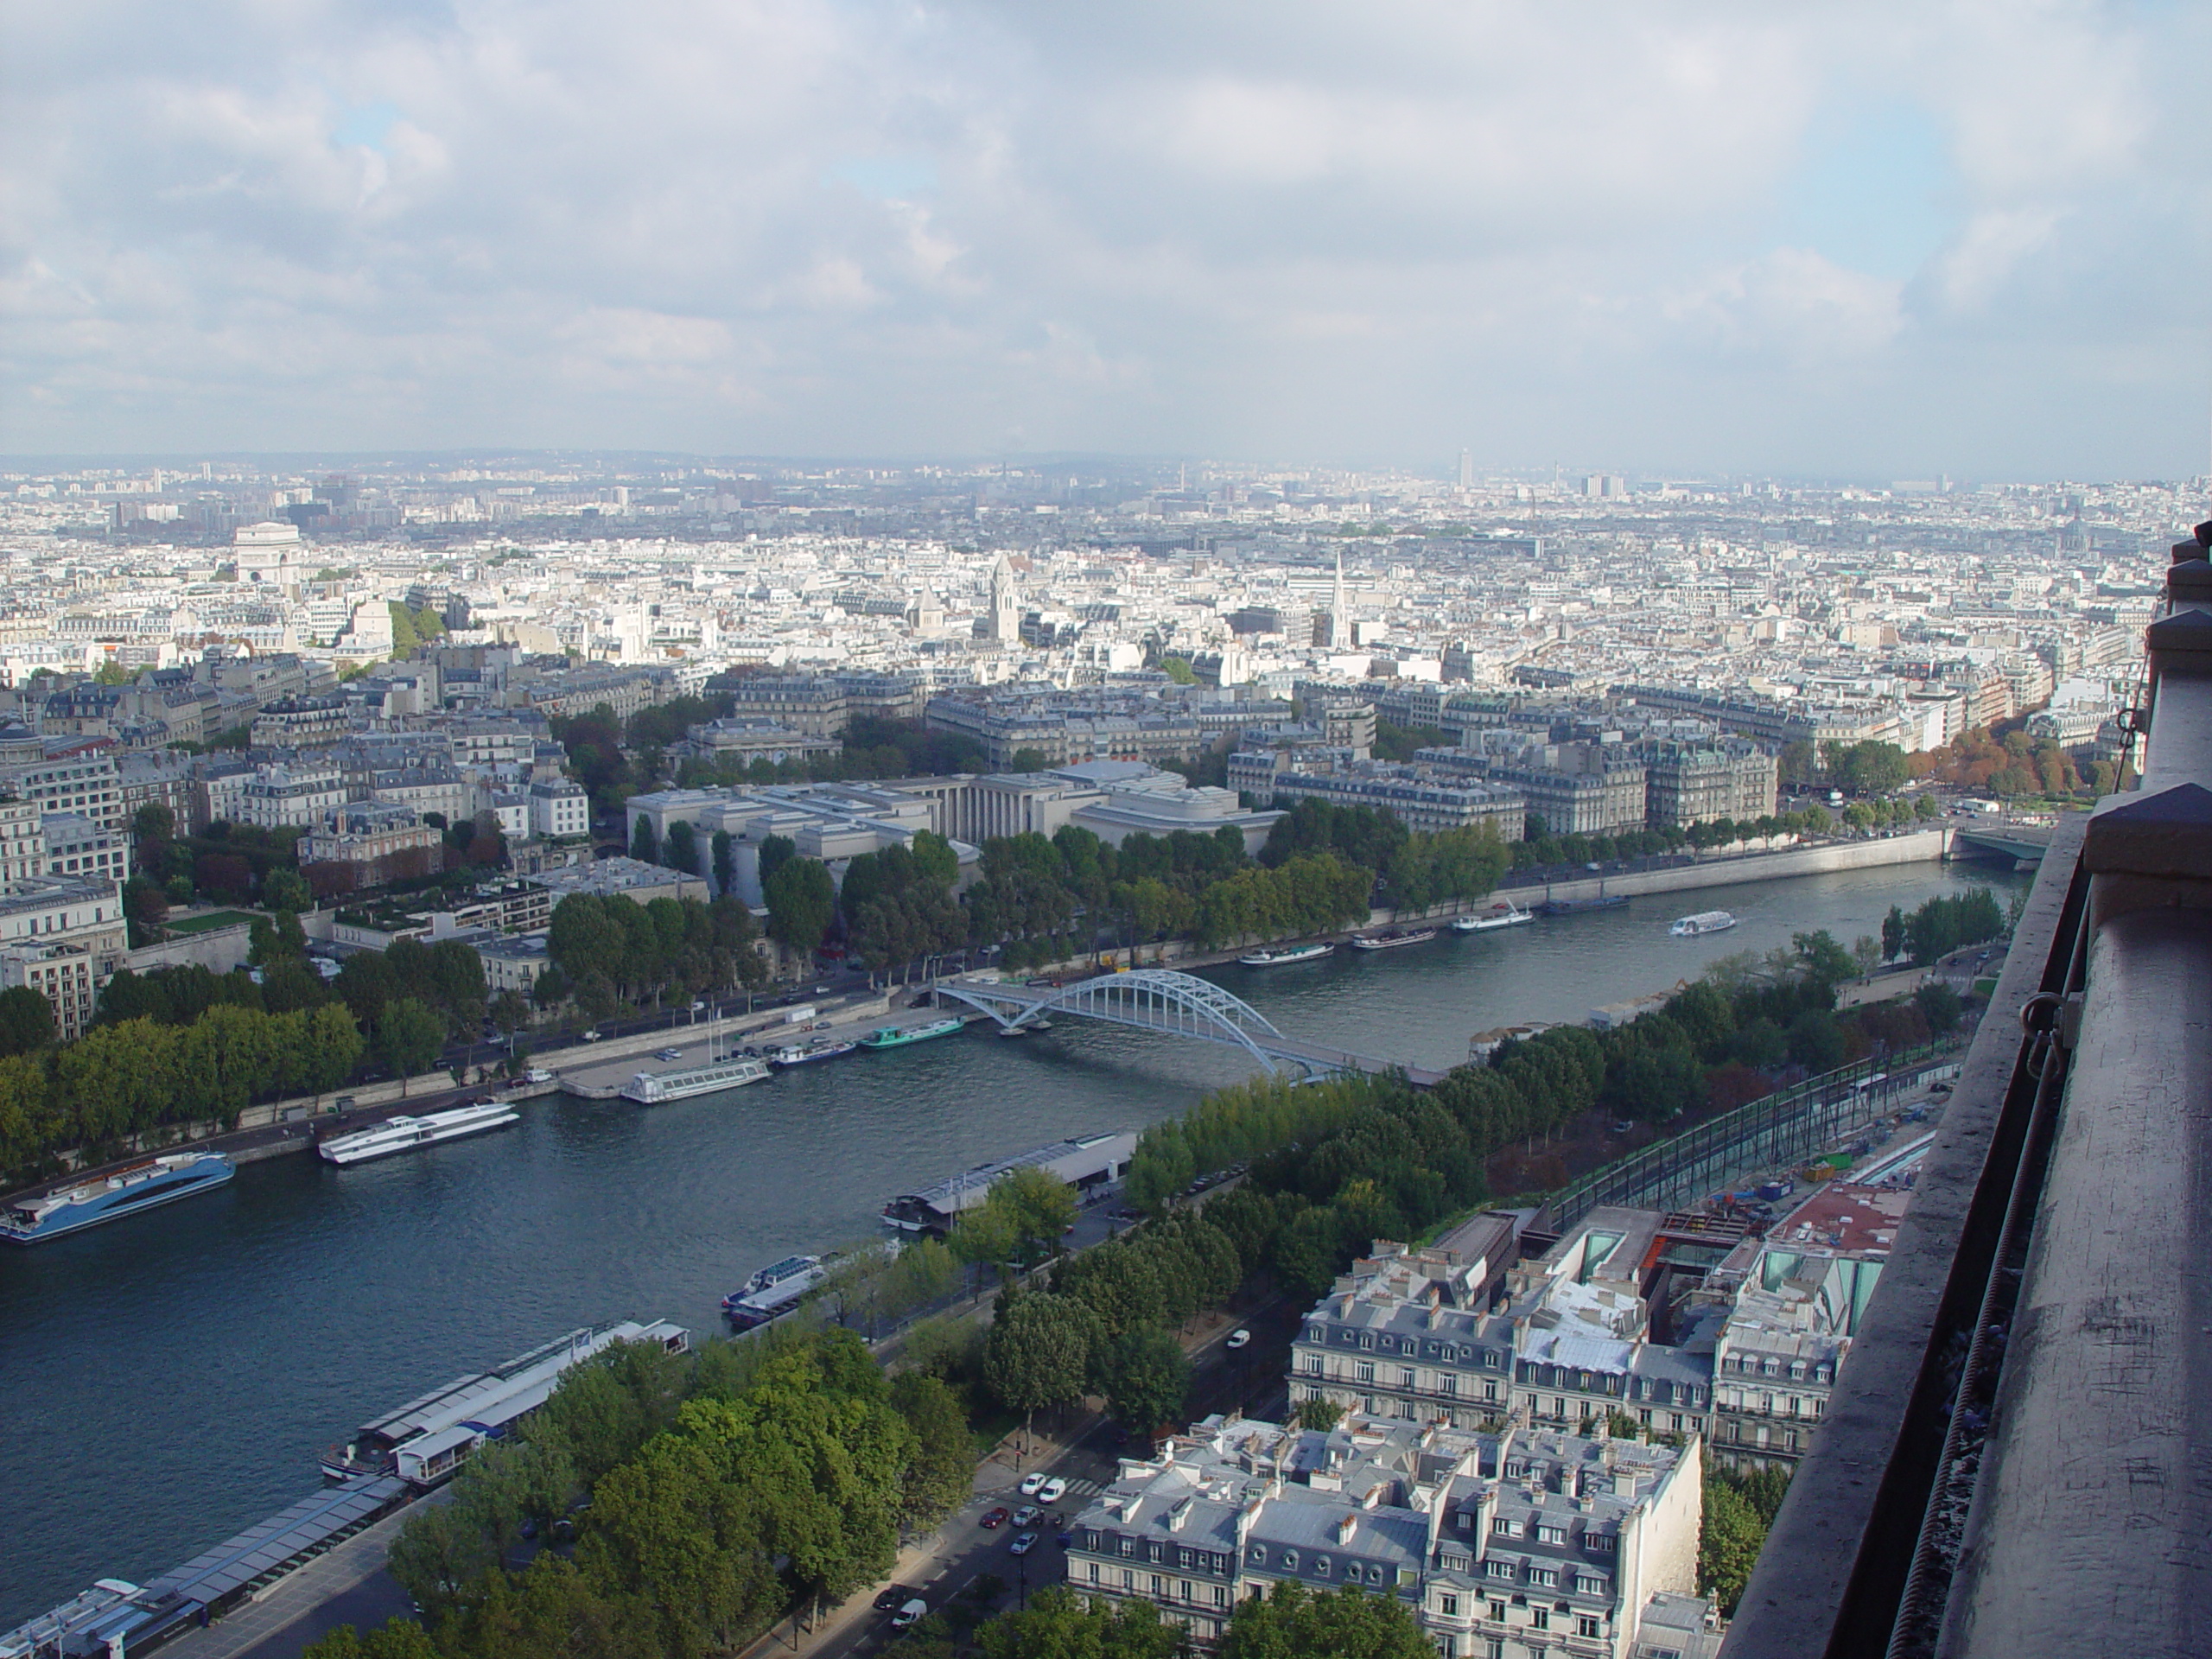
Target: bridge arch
column 1150, row 999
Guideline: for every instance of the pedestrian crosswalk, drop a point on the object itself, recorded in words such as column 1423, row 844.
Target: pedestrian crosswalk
column 1083, row 1489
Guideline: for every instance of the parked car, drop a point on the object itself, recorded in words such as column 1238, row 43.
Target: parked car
column 912, row 1613
column 1027, row 1515
column 994, row 1518
column 1239, row 1339
column 1032, row 1483
column 1024, row 1544
column 591, row 1036
column 1052, row 1491
column 893, row 1598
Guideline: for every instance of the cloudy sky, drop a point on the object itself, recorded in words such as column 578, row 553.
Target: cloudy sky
column 1862, row 238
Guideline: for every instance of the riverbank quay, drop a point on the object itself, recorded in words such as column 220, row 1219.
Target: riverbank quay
column 280, row 1127
column 1695, row 872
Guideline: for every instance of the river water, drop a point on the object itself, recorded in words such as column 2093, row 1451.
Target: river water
column 169, row 1379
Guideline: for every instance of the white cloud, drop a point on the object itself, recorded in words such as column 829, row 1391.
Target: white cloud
column 882, row 225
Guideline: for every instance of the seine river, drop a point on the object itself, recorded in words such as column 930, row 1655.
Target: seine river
column 169, row 1379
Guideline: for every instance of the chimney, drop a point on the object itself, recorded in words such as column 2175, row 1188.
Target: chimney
column 1346, row 1525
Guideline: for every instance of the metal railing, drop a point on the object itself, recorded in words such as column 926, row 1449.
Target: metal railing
column 1788, row 1126
column 2011, row 1464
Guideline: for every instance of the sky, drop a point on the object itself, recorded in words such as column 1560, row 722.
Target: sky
column 1971, row 236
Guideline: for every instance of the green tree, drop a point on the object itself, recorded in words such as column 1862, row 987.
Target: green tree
column 682, row 852
column 1027, row 761
column 398, row 1639
column 775, row 852
column 1040, row 1206
column 1940, row 1006
column 1038, row 1352
column 802, row 899
column 1315, row 1412
column 1291, row 1621
column 286, row 889
column 1060, row 1624
column 642, row 846
column 725, row 861
column 942, row 1474
column 1730, row 1538
column 1893, row 934
column 1146, row 1376
column 409, row 1036
column 26, row 1020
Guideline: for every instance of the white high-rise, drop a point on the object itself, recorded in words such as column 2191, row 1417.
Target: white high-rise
column 1005, row 623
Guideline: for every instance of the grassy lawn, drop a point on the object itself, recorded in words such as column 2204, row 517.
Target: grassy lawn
column 208, row 923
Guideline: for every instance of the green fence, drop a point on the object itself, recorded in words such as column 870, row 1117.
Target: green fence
column 1786, row 1127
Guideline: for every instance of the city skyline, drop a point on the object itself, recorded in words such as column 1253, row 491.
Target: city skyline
column 1897, row 245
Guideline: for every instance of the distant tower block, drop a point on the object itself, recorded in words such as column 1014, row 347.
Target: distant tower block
column 1467, row 469
column 1006, row 604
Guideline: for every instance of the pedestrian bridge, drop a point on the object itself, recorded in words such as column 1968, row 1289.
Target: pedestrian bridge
column 2023, row 843
column 1177, row 1004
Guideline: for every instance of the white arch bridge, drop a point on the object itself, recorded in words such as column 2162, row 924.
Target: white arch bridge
column 1178, row 1005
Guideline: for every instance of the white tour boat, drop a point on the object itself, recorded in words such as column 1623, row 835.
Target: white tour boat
column 1705, row 921
column 721, row 1071
column 396, row 1135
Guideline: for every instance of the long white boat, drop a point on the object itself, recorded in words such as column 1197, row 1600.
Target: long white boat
column 396, row 1135
column 805, row 1053
column 658, row 1088
column 1289, row 953
column 1508, row 915
column 1705, row 921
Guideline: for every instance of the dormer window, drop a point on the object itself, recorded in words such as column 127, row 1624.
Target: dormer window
column 1321, row 1566
column 1259, row 1556
column 1290, row 1560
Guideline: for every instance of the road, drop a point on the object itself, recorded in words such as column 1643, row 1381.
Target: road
column 947, row 1570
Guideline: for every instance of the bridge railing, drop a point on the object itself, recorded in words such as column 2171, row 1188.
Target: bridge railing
column 2013, row 1461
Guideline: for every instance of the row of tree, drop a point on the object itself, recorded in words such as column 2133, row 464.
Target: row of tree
column 1948, row 923
column 607, row 950
column 707, row 1494
column 136, row 1076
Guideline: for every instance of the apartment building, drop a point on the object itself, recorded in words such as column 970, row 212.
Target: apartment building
column 1518, row 1541
column 63, row 936
column 823, row 705
column 559, row 809
column 80, row 783
column 1280, row 779
column 78, row 845
column 1686, row 785
column 277, row 796
column 362, row 833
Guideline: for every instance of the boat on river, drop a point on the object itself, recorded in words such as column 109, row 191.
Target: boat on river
column 120, row 1192
column 1705, row 921
column 826, row 1048
column 899, row 1036
column 1393, row 939
column 658, row 1088
column 1507, row 914
column 397, row 1134
column 1289, row 953
column 1576, row 906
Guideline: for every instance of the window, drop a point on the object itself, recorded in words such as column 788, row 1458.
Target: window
column 1129, row 1545
column 1157, row 1588
column 1490, row 1391
column 1497, row 1611
column 1321, row 1566
column 1502, row 1525
column 1094, row 1572
column 1367, row 1370
column 1498, row 1569
column 1586, row 1624
column 1313, row 1364
column 1221, row 1595
column 1290, row 1560
column 1407, row 1379
column 1448, row 1605
column 1545, row 1577
column 1551, row 1535
column 1128, row 1579
column 1450, row 1384
column 1540, row 1618
column 1090, row 1541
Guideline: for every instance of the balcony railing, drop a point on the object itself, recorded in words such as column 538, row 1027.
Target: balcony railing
column 2015, row 1459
